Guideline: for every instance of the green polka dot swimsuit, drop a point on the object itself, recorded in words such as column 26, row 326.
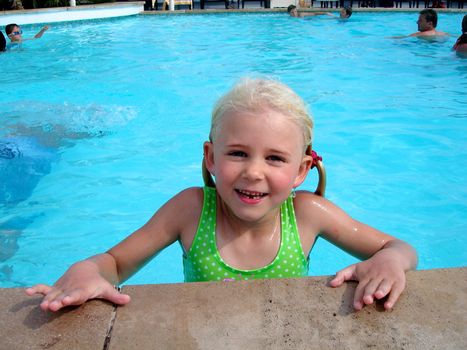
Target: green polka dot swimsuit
column 204, row 263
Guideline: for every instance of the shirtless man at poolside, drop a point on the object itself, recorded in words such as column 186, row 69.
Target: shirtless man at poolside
column 344, row 13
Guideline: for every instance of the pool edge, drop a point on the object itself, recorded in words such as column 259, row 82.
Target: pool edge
column 286, row 313
column 67, row 14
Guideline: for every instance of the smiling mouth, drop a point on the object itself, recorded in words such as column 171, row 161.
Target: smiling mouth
column 250, row 194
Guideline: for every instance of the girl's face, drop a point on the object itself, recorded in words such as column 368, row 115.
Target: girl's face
column 257, row 159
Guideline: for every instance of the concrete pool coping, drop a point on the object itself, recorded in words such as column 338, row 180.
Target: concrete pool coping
column 119, row 9
column 76, row 13
column 300, row 313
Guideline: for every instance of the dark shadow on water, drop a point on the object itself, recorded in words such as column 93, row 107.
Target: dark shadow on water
column 10, row 231
column 32, row 136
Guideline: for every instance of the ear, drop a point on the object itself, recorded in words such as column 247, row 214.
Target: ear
column 208, row 151
column 303, row 170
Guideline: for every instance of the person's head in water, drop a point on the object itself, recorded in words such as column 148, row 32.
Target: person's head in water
column 427, row 20
column 345, row 12
column 2, row 42
column 464, row 25
column 292, row 10
column 14, row 32
column 461, row 42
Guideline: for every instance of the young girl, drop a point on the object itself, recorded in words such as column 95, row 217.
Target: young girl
column 252, row 224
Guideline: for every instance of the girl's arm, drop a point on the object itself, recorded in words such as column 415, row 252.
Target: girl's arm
column 95, row 277
column 382, row 274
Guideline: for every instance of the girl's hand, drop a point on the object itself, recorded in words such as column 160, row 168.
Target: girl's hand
column 80, row 283
column 380, row 276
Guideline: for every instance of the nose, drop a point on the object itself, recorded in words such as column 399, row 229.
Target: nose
column 254, row 170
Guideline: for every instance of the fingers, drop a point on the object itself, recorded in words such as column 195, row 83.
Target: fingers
column 38, row 289
column 358, row 297
column 52, row 298
column 74, row 297
column 383, row 289
column 366, row 293
column 60, row 300
column 55, row 299
column 343, row 275
column 65, row 293
column 43, row 289
column 368, row 290
column 116, row 297
column 54, row 304
column 396, row 291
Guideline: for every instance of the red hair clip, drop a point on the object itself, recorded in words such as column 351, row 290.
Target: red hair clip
column 316, row 158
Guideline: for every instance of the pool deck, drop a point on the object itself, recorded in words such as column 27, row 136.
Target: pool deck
column 264, row 314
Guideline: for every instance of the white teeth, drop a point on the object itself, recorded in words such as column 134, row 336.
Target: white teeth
column 253, row 195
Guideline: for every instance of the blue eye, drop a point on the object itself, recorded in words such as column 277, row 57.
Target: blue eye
column 276, row 159
column 237, row 154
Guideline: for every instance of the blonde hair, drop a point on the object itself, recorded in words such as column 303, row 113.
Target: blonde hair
column 254, row 94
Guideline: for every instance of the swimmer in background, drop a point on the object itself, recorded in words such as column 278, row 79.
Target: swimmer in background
column 427, row 22
column 344, row 13
column 461, row 42
column 15, row 33
column 437, row 4
column 2, row 42
column 249, row 223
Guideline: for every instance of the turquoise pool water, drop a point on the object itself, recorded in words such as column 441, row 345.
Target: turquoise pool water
column 103, row 121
